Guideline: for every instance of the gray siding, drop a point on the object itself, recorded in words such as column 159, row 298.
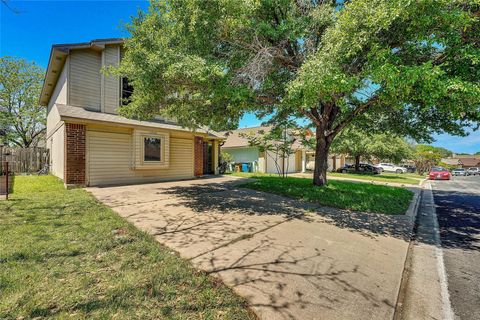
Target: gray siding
column 85, row 79
column 111, row 83
column 59, row 94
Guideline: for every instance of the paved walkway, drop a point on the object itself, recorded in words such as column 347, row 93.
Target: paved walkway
column 291, row 260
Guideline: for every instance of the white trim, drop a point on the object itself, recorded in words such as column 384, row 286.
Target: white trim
column 139, row 162
column 67, row 62
column 162, row 148
column 102, row 84
column 119, row 86
column 304, row 161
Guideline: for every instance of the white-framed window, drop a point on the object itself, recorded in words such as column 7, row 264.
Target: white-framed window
column 152, row 149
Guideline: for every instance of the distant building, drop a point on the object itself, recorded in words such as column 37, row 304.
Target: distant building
column 451, row 161
column 463, row 161
column 469, row 162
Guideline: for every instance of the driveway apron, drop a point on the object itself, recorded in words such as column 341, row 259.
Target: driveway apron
column 290, row 259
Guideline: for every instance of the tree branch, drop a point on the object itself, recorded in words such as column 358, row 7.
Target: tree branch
column 311, row 116
column 357, row 111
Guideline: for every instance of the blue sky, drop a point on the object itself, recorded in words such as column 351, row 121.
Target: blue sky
column 30, row 32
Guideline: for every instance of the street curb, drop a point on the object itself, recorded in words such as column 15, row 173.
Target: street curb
column 423, row 291
column 412, row 212
column 414, row 205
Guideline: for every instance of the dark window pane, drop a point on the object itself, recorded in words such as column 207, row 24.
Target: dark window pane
column 127, row 90
column 152, row 149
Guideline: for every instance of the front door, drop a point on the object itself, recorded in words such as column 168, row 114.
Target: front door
column 208, row 158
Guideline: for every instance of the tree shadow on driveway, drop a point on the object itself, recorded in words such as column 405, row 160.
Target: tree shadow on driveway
column 291, row 259
column 227, row 197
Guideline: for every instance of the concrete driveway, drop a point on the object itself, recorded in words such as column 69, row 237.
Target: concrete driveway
column 290, row 259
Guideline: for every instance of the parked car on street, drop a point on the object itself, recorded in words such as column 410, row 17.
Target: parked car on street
column 409, row 167
column 362, row 168
column 439, row 173
column 388, row 167
column 473, row 171
column 459, row 172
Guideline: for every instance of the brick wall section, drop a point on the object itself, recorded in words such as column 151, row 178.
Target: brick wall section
column 198, row 156
column 75, row 154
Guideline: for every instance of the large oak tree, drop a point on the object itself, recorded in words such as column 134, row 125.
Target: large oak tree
column 22, row 119
column 410, row 65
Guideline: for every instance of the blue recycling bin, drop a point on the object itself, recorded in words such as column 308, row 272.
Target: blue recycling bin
column 244, row 167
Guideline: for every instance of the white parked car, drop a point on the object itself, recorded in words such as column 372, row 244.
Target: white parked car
column 473, row 171
column 459, row 172
column 388, row 167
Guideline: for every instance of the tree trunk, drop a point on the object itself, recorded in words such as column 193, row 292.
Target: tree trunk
column 357, row 163
column 321, row 158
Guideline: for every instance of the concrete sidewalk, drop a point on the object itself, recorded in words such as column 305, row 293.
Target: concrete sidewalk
column 290, row 259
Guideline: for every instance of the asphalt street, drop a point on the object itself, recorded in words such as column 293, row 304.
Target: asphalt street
column 458, row 211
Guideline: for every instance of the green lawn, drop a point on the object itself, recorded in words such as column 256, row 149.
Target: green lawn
column 65, row 255
column 342, row 194
column 405, row 178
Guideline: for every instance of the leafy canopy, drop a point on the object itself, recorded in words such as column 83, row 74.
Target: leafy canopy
column 410, row 65
column 414, row 64
column 22, row 119
column 355, row 142
column 426, row 156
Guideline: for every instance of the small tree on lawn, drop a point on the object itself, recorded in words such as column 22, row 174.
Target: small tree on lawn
column 278, row 143
column 426, row 157
column 357, row 143
column 412, row 65
column 227, row 157
column 21, row 117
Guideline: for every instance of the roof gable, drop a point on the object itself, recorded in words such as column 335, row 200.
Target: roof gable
column 56, row 62
column 469, row 161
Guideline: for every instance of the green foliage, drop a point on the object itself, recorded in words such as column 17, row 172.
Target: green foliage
column 427, row 156
column 356, row 142
column 65, row 255
column 22, row 119
column 341, row 194
column 278, row 143
column 227, row 157
column 412, row 66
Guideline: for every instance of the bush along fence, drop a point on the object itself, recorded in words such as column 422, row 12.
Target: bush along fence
column 23, row 160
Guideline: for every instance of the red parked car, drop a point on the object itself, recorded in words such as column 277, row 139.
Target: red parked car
column 439, row 173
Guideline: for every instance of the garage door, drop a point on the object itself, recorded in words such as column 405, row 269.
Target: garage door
column 109, row 157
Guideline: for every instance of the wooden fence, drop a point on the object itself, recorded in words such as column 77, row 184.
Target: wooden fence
column 24, row 160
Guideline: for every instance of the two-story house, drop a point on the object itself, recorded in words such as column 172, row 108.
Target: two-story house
column 91, row 145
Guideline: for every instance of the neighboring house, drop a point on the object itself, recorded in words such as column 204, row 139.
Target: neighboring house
column 469, row 162
column 303, row 159
column 450, row 161
column 463, row 161
column 91, row 145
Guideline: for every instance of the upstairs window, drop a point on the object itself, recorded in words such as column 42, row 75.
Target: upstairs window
column 126, row 91
column 152, row 149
